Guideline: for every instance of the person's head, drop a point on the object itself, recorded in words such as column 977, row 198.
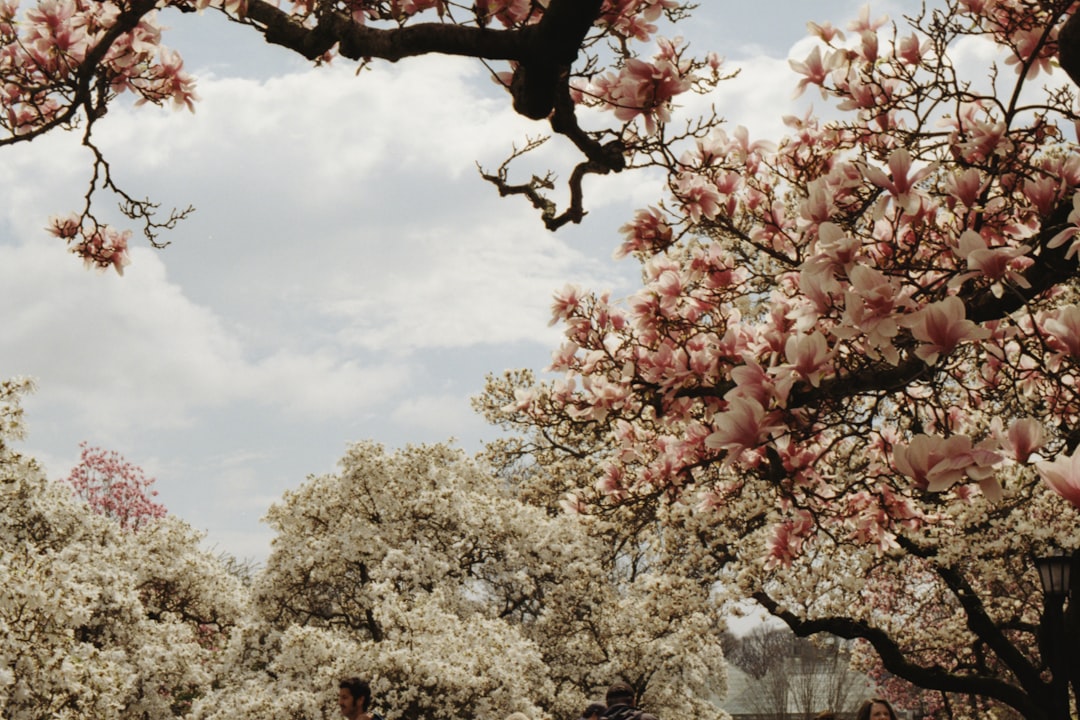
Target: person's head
column 619, row 693
column 354, row 697
column 593, row 711
column 825, row 715
column 876, row 709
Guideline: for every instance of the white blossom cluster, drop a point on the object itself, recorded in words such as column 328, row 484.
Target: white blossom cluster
column 421, row 570
column 96, row 622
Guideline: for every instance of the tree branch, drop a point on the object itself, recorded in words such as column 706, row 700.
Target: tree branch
column 894, row 660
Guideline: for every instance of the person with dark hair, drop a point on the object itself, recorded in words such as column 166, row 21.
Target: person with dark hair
column 621, row 700
column 354, row 699
column 876, row 709
column 593, row 711
column 825, row 715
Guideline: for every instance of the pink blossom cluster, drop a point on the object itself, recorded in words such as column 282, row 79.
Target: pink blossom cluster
column 98, row 246
column 62, row 62
column 115, row 488
column 641, row 88
column 840, row 314
column 59, row 57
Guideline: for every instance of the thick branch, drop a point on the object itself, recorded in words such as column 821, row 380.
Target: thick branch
column 358, row 41
column 894, row 660
column 544, row 71
column 1050, row 268
column 543, row 51
column 543, row 54
column 981, row 624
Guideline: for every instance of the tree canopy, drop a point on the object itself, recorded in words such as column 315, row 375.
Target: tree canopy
column 421, row 570
column 849, row 375
column 847, row 386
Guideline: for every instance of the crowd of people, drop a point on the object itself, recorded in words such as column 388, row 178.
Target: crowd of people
column 620, row 703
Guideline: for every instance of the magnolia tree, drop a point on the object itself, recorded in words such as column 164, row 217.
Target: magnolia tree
column 423, row 571
column 98, row 621
column 848, row 382
column 66, row 61
column 115, row 488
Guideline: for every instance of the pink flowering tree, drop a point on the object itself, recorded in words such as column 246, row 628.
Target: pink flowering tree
column 66, row 61
column 847, row 385
column 115, row 488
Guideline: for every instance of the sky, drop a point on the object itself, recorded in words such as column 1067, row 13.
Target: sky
column 346, row 274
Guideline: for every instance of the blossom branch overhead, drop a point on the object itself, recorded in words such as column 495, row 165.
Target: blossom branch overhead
column 853, row 348
column 69, row 59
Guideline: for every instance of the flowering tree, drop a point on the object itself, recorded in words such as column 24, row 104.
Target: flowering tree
column 852, row 364
column 422, row 570
column 98, row 622
column 66, row 61
column 115, row 488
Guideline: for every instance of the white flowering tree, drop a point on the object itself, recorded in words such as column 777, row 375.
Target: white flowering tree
column 849, row 376
column 423, row 571
column 96, row 620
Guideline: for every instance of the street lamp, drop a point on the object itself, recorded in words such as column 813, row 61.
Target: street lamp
column 1055, row 575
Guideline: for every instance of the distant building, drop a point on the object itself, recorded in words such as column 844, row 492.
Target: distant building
column 800, row 679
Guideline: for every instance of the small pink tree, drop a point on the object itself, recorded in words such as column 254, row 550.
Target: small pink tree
column 115, row 488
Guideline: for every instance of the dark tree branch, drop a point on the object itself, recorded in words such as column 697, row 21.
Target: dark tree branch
column 894, row 660
column 543, row 54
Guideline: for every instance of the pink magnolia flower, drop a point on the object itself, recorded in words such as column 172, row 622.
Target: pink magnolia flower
column 1024, row 437
column 978, row 134
column 819, row 204
column 567, row 302
column 753, row 382
column 965, row 185
column 1043, row 192
column 868, row 46
column 903, row 180
column 863, row 23
column 174, row 83
column 648, row 232
column 741, row 427
column 869, row 307
column 643, row 88
column 1063, row 475
column 835, row 247
column 809, row 356
column 1071, row 231
column 936, row 464
column 1028, row 42
column 700, row 197
column 942, row 326
column 825, row 31
column 910, row 50
column 788, row 538
column 998, row 263
column 815, row 69
column 1065, row 328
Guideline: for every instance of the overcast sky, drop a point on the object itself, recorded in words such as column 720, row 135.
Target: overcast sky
column 346, row 275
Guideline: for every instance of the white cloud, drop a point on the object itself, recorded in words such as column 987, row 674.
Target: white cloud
column 435, row 418
column 318, row 384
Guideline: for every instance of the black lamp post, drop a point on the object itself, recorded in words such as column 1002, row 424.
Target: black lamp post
column 1055, row 574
